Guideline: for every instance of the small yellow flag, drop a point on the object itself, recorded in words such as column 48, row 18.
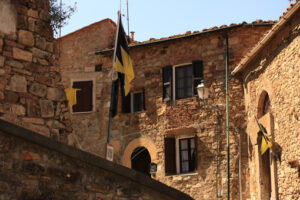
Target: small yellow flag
column 265, row 144
column 71, row 95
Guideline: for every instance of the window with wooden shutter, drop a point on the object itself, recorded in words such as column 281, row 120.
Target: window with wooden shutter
column 198, row 74
column 170, row 155
column 185, row 81
column 133, row 102
column 84, row 97
column 167, row 83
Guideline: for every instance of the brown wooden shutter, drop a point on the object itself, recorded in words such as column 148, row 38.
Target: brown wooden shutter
column 167, row 83
column 84, row 97
column 198, row 74
column 170, row 155
column 196, row 147
column 126, row 108
column 144, row 99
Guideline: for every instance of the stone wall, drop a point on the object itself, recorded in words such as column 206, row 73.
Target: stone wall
column 35, row 167
column 276, row 71
column 206, row 119
column 31, row 93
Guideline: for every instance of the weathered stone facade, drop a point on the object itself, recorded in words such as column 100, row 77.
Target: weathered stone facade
column 77, row 59
column 273, row 73
column 190, row 117
column 35, row 167
column 31, row 93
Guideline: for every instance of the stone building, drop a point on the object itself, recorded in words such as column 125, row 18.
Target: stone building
column 270, row 76
column 34, row 161
column 31, row 92
column 163, row 121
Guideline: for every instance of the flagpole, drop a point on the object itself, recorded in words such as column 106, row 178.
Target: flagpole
column 227, row 117
column 111, row 80
column 128, row 19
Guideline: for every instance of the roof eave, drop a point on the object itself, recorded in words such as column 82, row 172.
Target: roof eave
column 184, row 37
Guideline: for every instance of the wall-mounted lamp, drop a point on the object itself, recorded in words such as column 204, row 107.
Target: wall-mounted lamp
column 202, row 91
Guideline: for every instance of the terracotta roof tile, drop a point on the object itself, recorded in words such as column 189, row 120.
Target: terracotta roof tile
column 187, row 33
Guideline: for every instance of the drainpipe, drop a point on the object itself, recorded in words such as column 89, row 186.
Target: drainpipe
column 227, row 118
column 240, row 167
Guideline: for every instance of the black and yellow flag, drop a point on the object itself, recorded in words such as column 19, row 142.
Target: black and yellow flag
column 122, row 62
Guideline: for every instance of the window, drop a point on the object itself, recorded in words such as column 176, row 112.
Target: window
column 181, row 81
column 180, row 155
column 134, row 102
column 98, row 68
column 187, row 154
column 84, row 97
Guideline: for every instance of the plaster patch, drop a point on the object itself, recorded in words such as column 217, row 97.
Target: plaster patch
column 8, row 18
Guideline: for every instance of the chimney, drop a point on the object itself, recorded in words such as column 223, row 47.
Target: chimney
column 132, row 35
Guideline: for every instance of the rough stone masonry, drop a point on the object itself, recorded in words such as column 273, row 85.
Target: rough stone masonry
column 31, row 93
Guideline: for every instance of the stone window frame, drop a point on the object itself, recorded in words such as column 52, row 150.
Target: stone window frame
column 94, row 94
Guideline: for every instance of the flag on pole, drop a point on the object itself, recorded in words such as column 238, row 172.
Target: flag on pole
column 265, row 140
column 265, row 144
column 122, row 62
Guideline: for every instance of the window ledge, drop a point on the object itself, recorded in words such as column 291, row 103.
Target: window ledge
column 87, row 112
column 183, row 174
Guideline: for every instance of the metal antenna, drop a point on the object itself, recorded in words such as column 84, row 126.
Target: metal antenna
column 128, row 18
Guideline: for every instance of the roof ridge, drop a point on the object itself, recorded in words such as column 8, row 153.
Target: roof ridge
column 88, row 27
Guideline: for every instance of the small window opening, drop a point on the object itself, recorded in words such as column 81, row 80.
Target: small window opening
column 98, row 68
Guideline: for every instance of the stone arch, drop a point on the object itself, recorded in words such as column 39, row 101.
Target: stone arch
column 267, row 169
column 263, row 104
column 266, row 88
column 139, row 142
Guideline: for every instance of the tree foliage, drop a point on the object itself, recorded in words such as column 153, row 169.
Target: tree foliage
column 60, row 14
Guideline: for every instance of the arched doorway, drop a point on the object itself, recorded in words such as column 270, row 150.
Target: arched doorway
column 140, row 160
column 267, row 164
column 266, row 167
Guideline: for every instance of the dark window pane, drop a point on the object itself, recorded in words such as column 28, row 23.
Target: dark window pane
column 167, row 83
column 184, row 144
column 138, row 101
column 84, row 97
column 98, row 68
column 184, row 155
column 185, row 167
column 184, row 82
column 187, row 155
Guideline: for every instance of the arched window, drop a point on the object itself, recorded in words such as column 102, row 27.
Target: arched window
column 264, row 104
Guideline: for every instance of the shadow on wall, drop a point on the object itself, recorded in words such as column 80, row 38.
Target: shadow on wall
column 205, row 158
